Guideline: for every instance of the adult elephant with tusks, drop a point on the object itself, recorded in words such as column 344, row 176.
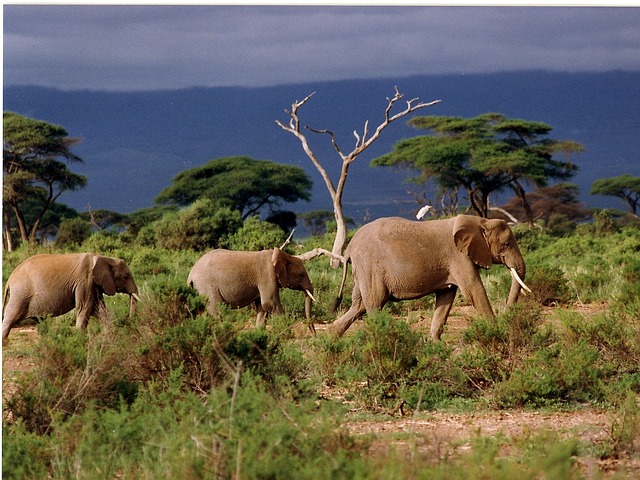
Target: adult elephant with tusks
column 397, row 259
column 54, row 284
column 242, row 278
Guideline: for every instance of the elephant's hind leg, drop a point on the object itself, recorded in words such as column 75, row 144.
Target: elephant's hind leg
column 13, row 313
column 444, row 302
column 357, row 310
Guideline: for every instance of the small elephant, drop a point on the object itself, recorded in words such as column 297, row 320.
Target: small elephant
column 397, row 259
column 54, row 284
column 238, row 278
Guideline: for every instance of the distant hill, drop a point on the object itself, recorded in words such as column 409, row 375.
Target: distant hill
column 134, row 143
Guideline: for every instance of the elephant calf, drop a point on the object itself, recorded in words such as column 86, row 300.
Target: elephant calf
column 398, row 259
column 54, row 284
column 238, row 279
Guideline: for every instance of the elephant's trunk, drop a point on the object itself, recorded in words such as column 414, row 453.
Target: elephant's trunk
column 517, row 281
column 133, row 301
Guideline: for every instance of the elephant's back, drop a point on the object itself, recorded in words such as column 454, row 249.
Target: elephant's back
column 398, row 235
column 221, row 265
column 49, row 266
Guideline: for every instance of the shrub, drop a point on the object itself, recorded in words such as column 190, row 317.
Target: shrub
column 552, row 376
column 511, row 335
column 256, row 235
column 73, row 368
column 630, row 285
column 201, row 226
column 24, row 453
column 104, row 243
column 548, row 284
column 72, row 231
column 388, row 347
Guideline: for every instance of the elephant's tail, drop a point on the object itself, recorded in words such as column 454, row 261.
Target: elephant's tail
column 345, row 268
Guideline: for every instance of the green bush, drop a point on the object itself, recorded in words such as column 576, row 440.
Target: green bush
column 388, row 347
column 24, row 453
column 73, row 369
column 201, row 226
column 549, row 285
column 256, row 235
column 552, row 376
column 72, row 231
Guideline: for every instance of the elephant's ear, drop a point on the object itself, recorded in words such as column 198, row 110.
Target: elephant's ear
column 103, row 274
column 279, row 261
column 469, row 237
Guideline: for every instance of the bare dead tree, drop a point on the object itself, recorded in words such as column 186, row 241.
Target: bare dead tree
column 363, row 142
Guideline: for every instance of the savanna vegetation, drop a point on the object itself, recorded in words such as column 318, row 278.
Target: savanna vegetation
column 171, row 392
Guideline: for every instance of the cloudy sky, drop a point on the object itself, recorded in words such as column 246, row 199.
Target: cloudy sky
column 126, row 47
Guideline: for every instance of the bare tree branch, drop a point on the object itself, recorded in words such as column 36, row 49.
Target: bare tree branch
column 316, row 252
column 333, row 139
column 288, row 240
column 362, row 143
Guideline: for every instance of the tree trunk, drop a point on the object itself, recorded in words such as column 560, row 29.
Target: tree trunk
column 341, row 233
column 22, row 224
column 7, row 230
column 521, row 194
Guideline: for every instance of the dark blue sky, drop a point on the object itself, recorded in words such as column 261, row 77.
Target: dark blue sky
column 145, row 47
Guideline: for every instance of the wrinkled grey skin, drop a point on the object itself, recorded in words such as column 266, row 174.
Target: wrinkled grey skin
column 238, row 279
column 54, row 284
column 396, row 259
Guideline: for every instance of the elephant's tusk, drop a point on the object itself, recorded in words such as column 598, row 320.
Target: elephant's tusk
column 136, row 297
column 518, row 279
column 310, row 296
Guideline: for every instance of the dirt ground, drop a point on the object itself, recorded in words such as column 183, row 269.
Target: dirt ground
column 441, row 435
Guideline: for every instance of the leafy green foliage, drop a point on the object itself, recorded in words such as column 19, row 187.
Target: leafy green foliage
column 255, row 234
column 72, row 231
column 240, row 183
column 483, row 154
column 625, row 187
column 201, row 226
column 316, row 221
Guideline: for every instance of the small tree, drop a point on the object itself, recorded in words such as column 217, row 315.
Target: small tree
column 626, row 187
column 336, row 190
column 33, row 175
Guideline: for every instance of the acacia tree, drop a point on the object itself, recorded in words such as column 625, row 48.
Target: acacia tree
column 626, row 187
column 34, row 178
column 483, row 155
column 240, row 183
column 336, row 190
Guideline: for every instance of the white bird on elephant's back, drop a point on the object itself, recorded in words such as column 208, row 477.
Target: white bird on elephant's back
column 423, row 211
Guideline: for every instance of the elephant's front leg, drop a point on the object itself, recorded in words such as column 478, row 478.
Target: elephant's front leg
column 261, row 318
column 82, row 320
column 444, row 302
